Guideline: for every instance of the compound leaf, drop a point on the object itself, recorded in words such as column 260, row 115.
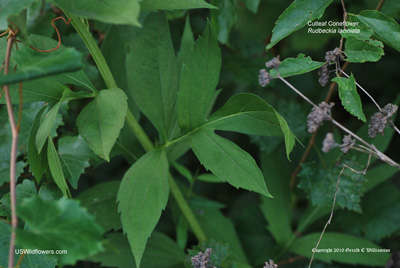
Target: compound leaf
column 296, row 17
column 142, row 196
column 101, row 121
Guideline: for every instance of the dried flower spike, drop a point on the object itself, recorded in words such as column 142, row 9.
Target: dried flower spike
column 328, row 143
column 264, row 77
column 323, row 73
column 333, row 55
column 348, row 143
column 274, row 63
column 202, row 260
column 271, row 264
column 318, row 115
column 380, row 119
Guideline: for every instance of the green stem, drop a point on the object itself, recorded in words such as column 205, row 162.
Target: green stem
column 187, row 211
column 133, row 124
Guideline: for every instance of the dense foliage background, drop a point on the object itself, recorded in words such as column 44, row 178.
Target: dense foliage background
column 61, row 153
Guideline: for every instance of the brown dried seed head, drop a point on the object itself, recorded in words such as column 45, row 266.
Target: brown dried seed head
column 380, row 119
column 334, row 55
column 274, row 63
column 270, row 264
column 318, row 115
column 202, row 260
column 348, row 143
column 264, row 78
column 323, row 75
column 328, row 143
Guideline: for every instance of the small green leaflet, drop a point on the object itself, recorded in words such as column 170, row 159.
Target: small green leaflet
column 74, row 157
column 33, row 64
column 46, row 126
column 350, row 99
column 56, row 169
column 296, row 17
column 66, row 222
column 296, row 66
column 142, row 196
column 358, row 51
column 151, row 67
column 385, row 28
column 187, row 42
column 154, row 5
column 198, row 81
column 101, row 121
column 252, row 5
column 360, row 47
column 228, row 161
column 303, row 246
column 223, row 19
column 115, row 12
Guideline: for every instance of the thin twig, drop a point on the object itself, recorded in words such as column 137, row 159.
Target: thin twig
column 345, row 20
column 334, row 202
column 380, row 5
column 13, row 160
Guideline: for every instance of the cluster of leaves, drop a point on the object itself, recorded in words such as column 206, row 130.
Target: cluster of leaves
column 153, row 69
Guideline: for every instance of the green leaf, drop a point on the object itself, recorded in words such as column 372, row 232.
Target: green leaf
column 49, row 191
column 29, row 260
column 228, row 161
column 151, row 68
column 221, row 229
column 377, row 175
column 223, row 18
column 11, row 7
column 350, row 99
column 207, row 177
column 154, row 5
column 277, row 211
column 24, row 190
column 55, row 168
column 33, row 64
column 359, row 51
column 320, row 185
column 187, row 42
column 385, row 28
column 58, row 225
column 101, row 121
column 391, row 8
column 142, row 196
column 100, row 201
column 161, row 252
column 46, row 126
column 198, row 81
column 115, row 12
column 296, row 16
column 296, row 66
column 249, row 114
column 303, row 246
column 252, row 5
column 74, row 157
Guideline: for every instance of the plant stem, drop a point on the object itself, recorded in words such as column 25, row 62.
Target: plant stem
column 133, row 124
column 13, row 159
